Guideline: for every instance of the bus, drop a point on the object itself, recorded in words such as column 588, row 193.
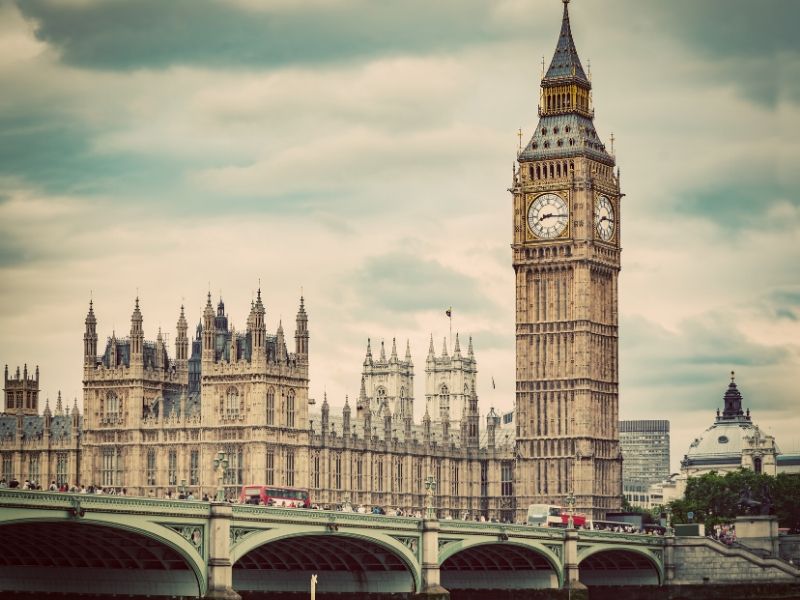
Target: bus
column 270, row 495
column 551, row 515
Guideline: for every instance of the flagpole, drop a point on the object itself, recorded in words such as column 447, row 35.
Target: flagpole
column 450, row 316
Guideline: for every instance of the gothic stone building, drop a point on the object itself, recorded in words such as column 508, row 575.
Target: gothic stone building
column 151, row 422
column 38, row 447
column 566, row 254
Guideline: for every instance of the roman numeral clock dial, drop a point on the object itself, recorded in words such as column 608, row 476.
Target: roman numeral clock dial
column 548, row 216
column 604, row 218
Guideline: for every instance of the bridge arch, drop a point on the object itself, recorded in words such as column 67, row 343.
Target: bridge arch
column 54, row 555
column 352, row 560
column 524, row 565
column 612, row 564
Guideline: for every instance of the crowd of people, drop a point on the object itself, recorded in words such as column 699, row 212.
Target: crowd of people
column 724, row 533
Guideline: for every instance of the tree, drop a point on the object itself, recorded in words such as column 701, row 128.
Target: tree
column 715, row 498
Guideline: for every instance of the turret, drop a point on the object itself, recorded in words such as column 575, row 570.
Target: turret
column 76, row 416
column 431, row 354
column 470, row 351
column 367, row 358
column 137, row 336
column 408, row 353
column 457, row 349
column 90, row 338
column 161, row 351
column 259, row 327
column 383, row 353
column 362, row 402
column 281, row 344
column 325, row 417
column 301, row 333
column 492, row 421
column 48, row 415
column 426, row 427
column 209, row 331
column 59, row 406
column 367, row 424
column 473, row 420
column 346, row 430
column 113, row 357
column 182, row 341
column 444, row 348
column 393, row 356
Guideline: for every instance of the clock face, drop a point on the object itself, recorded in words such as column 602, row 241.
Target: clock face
column 604, row 218
column 548, row 216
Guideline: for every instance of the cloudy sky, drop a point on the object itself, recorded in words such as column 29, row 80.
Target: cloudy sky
column 360, row 152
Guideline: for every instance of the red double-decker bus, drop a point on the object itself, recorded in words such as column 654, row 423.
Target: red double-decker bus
column 270, row 495
column 550, row 515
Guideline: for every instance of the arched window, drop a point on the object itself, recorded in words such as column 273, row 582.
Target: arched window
column 444, row 402
column 290, row 408
column 151, row 466
column 112, row 406
column 757, row 465
column 231, row 402
column 380, row 397
column 271, row 406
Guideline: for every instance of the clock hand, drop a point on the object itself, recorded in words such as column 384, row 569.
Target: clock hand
column 550, row 215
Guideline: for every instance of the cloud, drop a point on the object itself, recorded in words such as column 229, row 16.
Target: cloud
column 401, row 282
column 155, row 35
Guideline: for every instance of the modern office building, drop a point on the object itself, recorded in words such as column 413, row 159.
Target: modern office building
column 645, row 454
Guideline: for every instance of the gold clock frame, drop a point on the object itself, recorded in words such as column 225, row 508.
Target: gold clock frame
column 530, row 236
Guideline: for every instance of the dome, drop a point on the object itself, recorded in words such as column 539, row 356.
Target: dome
column 722, row 439
column 733, row 435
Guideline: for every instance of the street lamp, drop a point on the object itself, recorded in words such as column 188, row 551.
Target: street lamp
column 570, row 501
column 220, row 466
column 668, row 512
column 430, row 487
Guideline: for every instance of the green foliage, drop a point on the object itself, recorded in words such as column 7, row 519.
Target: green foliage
column 714, row 498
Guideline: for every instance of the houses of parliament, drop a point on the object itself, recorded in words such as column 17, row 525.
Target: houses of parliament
column 153, row 422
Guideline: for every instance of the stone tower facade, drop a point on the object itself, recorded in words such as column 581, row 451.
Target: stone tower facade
column 449, row 384
column 566, row 257
column 41, row 448
column 387, row 385
column 153, row 423
column 21, row 393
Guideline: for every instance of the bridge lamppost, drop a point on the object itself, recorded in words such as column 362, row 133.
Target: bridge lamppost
column 220, row 466
column 668, row 512
column 570, row 501
column 430, row 487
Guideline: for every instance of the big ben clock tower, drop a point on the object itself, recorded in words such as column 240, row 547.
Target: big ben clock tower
column 566, row 255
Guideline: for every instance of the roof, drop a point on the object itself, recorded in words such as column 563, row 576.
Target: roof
column 563, row 136
column 566, row 62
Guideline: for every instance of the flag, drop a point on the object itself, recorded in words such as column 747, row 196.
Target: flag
column 493, row 386
column 449, row 312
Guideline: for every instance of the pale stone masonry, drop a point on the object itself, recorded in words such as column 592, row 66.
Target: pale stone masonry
column 152, row 423
column 566, row 253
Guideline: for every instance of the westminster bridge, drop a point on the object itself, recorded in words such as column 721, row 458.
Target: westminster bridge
column 101, row 544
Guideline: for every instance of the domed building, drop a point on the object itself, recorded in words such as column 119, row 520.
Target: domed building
column 732, row 442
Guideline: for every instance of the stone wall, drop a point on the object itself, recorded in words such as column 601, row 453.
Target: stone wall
column 789, row 547
column 704, row 561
